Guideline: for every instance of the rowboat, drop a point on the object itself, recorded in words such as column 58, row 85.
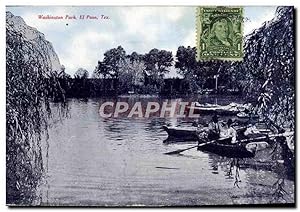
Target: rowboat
column 227, row 149
column 244, row 115
column 176, row 134
column 244, row 148
column 226, row 110
column 179, row 134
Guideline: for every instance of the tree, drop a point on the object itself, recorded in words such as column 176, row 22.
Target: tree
column 31, row 85
column 131, row 75
column 268, row 69
column 165, row 60
column 81, row 73
column 157, row 63
column 135, row 57
column 187, row 65
column 186, row 60
column 112, row 61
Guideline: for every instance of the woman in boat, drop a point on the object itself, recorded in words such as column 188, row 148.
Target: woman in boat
column 252, row 132
column 231, row 132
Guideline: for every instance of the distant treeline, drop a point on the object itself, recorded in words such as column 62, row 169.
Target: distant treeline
column 122, row 73
column 88, row 87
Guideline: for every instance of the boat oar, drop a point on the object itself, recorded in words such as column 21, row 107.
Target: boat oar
column 287, row 134
column 179, row 151
column 199, row 145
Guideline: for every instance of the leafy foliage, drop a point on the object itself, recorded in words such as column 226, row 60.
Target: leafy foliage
column 131, row 70
column 157, row 62
column 30, row 87
column 112, row 61
column 81, row 73
column 186, row 60
column 268, row 71
column 131, row 75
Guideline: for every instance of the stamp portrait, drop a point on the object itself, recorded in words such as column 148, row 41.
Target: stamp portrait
column 219, row 33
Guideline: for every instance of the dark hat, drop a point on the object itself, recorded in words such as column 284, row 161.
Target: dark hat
column 215, row 117
column 229, row 122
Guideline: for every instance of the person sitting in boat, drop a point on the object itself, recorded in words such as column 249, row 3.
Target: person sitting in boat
column 252, row 131
column 214, row 128
column 231, row 132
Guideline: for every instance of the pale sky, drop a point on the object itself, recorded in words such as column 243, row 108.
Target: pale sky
column 81, row 43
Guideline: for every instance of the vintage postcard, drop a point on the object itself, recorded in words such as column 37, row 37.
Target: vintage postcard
column 131, row 106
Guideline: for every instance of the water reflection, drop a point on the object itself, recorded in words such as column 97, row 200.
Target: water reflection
column 262, row 181
column 120, row 161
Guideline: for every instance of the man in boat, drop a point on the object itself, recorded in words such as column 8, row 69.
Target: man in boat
column 211, row 132
column 214, row 128
column 216, row 131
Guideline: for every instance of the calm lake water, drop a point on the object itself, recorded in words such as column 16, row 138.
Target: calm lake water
column 94, row 161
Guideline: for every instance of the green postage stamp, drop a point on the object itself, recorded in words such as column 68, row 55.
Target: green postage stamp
column 219, row 33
